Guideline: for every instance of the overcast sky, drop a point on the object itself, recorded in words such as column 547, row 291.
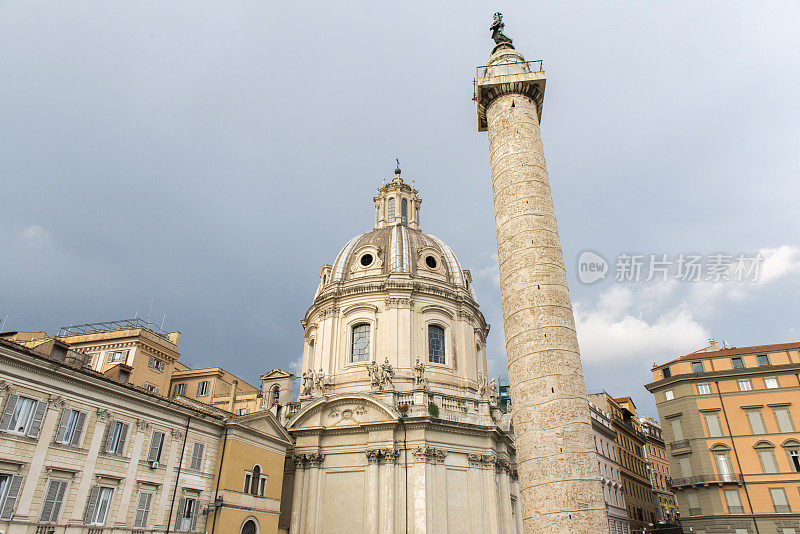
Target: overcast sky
column 211, row 156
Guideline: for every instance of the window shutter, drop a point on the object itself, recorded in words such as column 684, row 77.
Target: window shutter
column 52, row 501
column 155, row 445
column 112, row 426
column 181, row 512
column 62, row 425
column 197, row 456
column 11, row 496
column 195, row 510
column 123, row 434
column 91, row 506
column 59, row 499
column 77, row 434
column 8, row 412
column 38, row 417
column 142, row 509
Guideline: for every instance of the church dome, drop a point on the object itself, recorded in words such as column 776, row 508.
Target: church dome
column 397, row 249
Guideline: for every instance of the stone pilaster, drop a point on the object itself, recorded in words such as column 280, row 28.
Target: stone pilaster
column 297, row 493
column 371, row 526
column 312, row 500
column 559, row 482
column 389, row 457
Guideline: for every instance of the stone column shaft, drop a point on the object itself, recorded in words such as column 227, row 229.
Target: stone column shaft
column 559, row 482
column 297, row 496
column 371, row 523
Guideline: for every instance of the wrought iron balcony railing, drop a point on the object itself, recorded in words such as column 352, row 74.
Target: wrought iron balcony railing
column 704, row 480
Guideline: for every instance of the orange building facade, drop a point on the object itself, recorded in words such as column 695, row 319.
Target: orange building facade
column 730, row 421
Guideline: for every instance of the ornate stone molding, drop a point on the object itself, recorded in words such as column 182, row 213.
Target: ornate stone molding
column 103, row 415
column 501, row 465
column 430, row 454
column 142, row 425
column 390, row 455
column 330, row 311
column 398, row 303
column 372, row 455
column 56, row 401
column 315, row 459
column 4, row 385
column 299, row 460
column 177, row 434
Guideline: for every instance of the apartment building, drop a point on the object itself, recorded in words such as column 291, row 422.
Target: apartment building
column 83, row 453
column 630, row 442
column 730, row 418
column 655, row 455
column 607, row 460
column 217, row 387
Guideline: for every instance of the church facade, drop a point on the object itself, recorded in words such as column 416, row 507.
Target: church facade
column 396, row 427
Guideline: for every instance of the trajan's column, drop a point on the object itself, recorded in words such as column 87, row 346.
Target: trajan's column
column 560, row 488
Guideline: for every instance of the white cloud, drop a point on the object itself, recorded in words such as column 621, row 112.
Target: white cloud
column 616, row 329
column 34, row 235
column 778, row 262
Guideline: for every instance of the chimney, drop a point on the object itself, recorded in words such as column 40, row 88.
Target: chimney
column 174, row 338
column 233, row 395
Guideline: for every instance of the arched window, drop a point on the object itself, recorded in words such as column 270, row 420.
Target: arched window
column 276, row 395
column 359, row 349
column 249, row 527
column 391, row 210
column 404, row 212
column 435, row 344
column 311, row 352
column 256, row 480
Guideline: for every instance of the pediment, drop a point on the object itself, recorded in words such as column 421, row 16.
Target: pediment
column 265, row 422
column 276, row 373
column 344, row 411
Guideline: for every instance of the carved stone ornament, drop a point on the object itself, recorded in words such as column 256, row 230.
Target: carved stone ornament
column 299, row 460
column 372, row 455
column 103, row 415
column 430, row 454
column 56, row 401
column 333, row 413
column 390, row 455
column 177, row 434
column 4, row 385
column 142, row 425
column 315, row 460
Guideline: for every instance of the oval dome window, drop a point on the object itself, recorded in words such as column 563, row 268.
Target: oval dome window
column 366, row 260
column 430, row 261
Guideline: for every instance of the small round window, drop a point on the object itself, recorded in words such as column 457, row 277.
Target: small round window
column 430, row 261
column 366, row 260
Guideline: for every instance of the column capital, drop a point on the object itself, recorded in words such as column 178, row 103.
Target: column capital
column 372, row 455
column 315, row 460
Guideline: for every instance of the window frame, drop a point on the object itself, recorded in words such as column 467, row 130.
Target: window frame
column 203, row 388
column 772, row 380
column 351, row 329
column 696, row 363
column 704, row 385
column 785, row 508
column 765, row 357
column 443, row 327
column 669, row 394
column 747, row 381
column 756, row 411
column 118, row 440
column 734, row 361
column 156, row 364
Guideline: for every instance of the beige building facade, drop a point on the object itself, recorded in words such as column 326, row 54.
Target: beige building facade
column 730, row 418
column 655, row 454
column 605, row 447
column 83, row 453
column 396, row 426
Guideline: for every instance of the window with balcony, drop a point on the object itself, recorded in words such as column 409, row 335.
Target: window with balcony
column 677, row 429
column 697, row 367
column 686, row 466
column 779, row 500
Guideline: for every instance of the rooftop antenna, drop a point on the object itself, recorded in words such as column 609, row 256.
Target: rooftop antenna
column 150, row 310
column 4, row 323
column 162, row 321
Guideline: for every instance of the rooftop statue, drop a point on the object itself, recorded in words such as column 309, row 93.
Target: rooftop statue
column 497, row 30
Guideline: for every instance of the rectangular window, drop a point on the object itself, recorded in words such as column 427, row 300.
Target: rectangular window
column 150, row 387
column 779, row 500
column 187, row 515
column 203, row 388
column 98, row 505
column 745, row 385
column 694, row 504
column 70, row 429
column 713, row 424
column 666, row 371
column 794, row 459
column 763, row 359
column 23, row 415
column 669, row 394
column 155, row 363
column 115, row 441
column 359, row 343
column 784, row 418
column 703, row 388
column 262, row 485
column 142, row 509
column 771, row 382
column 156, row 446
column 686, row 466
column 116, row 356
column 697, row 367
column 756, row 421
column 677, row 429
column 9, row 492
column 737, row 363
column 247, row 481
column 767, row 458
column 723, row 465
column 242, row 411
column 53, row 498
column 197, row 456
column 179, row 389
column 436, row 350
column 733, row 501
